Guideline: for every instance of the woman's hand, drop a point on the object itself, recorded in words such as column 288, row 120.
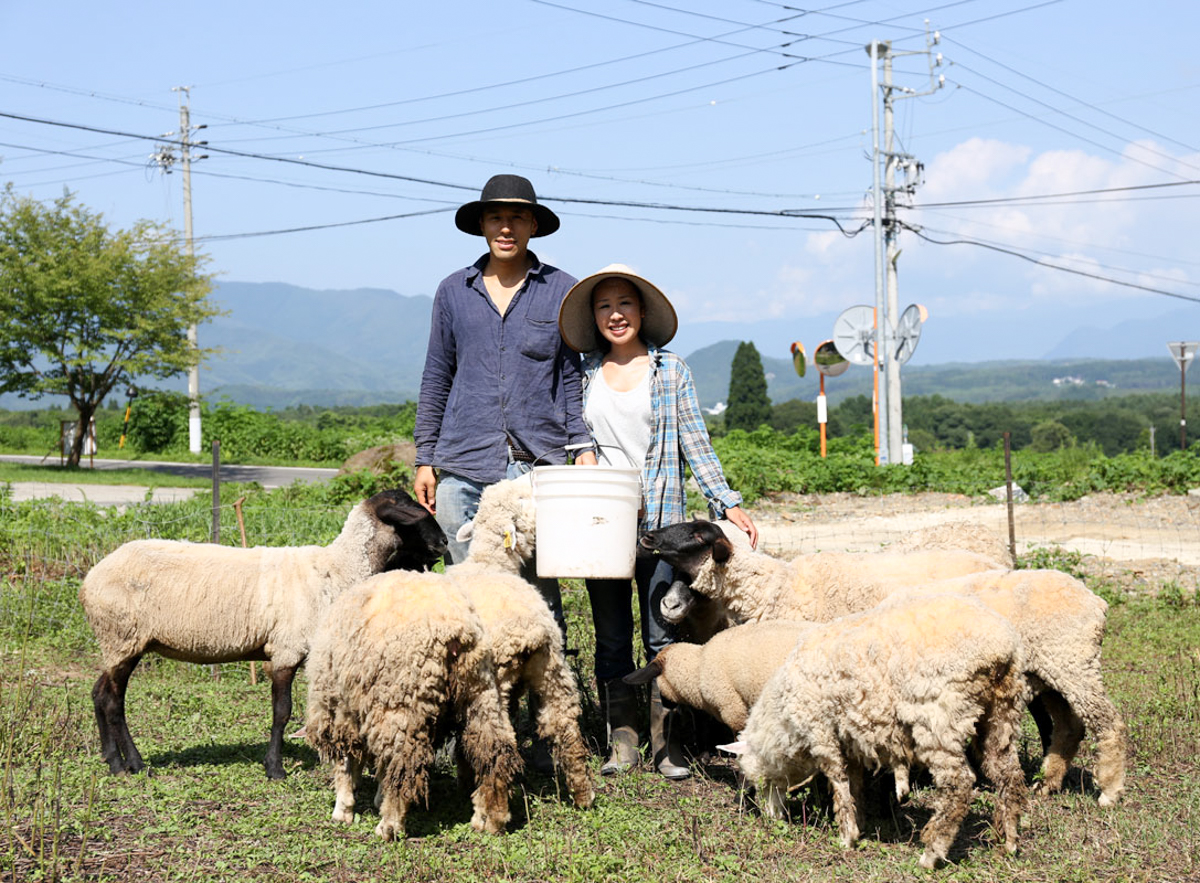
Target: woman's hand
column 738, row 516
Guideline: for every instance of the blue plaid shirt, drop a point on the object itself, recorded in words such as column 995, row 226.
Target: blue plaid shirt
column 679, row 435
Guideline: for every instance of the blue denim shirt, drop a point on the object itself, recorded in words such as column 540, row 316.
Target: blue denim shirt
column 490, row 377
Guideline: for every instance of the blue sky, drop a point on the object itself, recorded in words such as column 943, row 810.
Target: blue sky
column 738, row 110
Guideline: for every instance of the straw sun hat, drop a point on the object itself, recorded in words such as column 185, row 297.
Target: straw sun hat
column 506, row 189
column 577, row 324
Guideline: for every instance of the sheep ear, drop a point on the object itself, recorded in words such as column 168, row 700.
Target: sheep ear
column 400, row 510
column 722, row 550
column 735, row 748
column 465, row 532
column 644, row 675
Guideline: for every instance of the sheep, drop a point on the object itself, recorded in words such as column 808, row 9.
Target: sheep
column 813, row 588
column 724, row 676
column 910, row 681
column 960, row 535
column 400, row 662
column 1061, row 621
column 524, row 639
column 204, row 603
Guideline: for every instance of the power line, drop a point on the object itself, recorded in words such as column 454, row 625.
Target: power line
column 1027, row 199
column 1042, row 263
column 228, row 236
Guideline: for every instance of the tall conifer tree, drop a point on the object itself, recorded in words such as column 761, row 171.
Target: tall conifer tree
column 749, row 406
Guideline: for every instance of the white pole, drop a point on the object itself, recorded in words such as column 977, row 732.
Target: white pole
column 193, row 372
column 891, row 367
column 876, row 49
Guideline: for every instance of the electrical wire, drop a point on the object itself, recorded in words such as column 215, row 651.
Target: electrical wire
column 1041, row 263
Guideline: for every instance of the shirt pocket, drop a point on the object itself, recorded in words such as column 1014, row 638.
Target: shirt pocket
column 540, row 339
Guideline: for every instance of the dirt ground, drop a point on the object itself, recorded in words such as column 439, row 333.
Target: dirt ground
column 1141, row 542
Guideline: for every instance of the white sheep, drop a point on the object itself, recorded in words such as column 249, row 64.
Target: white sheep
column 725, row 675
column 1061, row 621
column 910, row 681
column 205, row 603
column 400, row 663
column 524, row 639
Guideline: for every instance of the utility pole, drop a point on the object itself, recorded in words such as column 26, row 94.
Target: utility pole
column 887, row 250
column 877, row 49
column 165, row 158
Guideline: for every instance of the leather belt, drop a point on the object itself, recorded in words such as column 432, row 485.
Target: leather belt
column 519, row 456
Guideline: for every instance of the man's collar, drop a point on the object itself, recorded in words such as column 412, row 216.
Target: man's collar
column 476, row 269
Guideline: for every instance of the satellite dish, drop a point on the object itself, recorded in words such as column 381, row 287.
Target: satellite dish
column 854, row 335
column 908, row 331
column 1183, row 352
column 828, row 360
column 798, row 358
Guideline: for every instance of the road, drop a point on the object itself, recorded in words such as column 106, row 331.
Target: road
column 112, row 495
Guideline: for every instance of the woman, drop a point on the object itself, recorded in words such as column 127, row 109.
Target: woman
column 640, row 405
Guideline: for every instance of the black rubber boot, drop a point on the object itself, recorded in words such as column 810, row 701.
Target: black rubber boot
column 667, row 755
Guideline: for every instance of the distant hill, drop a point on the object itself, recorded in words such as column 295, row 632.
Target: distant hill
column 284, row 345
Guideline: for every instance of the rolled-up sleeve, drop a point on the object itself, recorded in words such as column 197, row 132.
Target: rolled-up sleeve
column 697, row 448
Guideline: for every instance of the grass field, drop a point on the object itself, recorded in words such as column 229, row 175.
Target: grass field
column 205, row 811
column 13, row 472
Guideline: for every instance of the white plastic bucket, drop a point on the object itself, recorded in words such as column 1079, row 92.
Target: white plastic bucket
column 586, row 520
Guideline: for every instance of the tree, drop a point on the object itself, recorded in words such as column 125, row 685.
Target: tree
column 84, row 309
column 749, row 406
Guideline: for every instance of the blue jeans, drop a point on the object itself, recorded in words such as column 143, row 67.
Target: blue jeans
column 457, row 503
column 612, row 616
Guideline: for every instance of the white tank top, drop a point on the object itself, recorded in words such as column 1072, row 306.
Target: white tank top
column 620, row 421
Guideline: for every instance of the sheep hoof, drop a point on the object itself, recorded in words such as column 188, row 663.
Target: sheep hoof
column 343, row 815
column 386, row 830
column 1108, row 800
column 930, row 861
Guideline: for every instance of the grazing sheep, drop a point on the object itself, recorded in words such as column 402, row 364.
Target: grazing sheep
column 204, row 603
column 965, row 536
column 524, row 639
column 910, row 681
column 814, row 588
column 724, row 676
column 1060, row 620
column 399, row 664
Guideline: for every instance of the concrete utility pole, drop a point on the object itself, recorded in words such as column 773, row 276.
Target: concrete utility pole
column 185, row 156
column 887, row 250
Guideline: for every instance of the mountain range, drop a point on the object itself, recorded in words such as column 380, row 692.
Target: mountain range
column 281, row 345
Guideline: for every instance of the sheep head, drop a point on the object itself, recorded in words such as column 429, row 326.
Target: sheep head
column 504, row 526
column 687, row 546
column 414, row 541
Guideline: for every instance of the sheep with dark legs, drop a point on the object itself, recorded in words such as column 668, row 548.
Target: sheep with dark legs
column 204, row 603
column 1059, row 619
column 910, row 681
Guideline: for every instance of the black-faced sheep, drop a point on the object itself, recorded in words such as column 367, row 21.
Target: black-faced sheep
column 1060, row 620
column 400, row 663
column 204, row 603
column 910, row 681
column 524, row 639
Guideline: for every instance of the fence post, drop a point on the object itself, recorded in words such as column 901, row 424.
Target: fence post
column 1012, row 533
column 216, row 491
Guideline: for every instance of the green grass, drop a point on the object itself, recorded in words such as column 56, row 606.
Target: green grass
column 205, row 811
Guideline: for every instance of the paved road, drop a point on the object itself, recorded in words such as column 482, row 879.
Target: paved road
column 267, row 476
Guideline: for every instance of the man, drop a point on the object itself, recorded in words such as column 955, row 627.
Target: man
column 500, row 390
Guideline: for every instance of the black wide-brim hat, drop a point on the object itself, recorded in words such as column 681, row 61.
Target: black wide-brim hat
column 511, row 190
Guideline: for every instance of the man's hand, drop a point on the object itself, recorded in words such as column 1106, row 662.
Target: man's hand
column 586, row 458
column 425, row 488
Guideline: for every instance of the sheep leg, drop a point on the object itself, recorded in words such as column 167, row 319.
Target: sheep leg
column 954, row 780
column 1103, row 720
column 281, row 712
column 842, row 776
column 108, row 700
column 558, row 721
column 345, row 779
column 1065, row 735
column 999, row 730
column 490, row 746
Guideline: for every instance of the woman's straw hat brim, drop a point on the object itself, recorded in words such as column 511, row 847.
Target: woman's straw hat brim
column 577, row 324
